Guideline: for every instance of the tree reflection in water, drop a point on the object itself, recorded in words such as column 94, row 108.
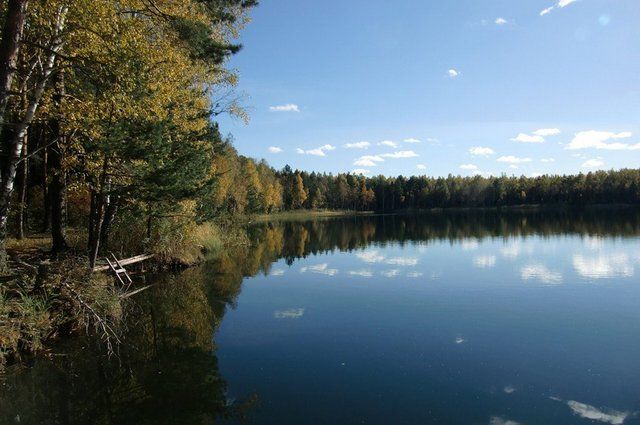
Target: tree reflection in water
column 167, row 371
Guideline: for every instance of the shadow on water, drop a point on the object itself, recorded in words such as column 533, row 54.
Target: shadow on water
column 167, row 370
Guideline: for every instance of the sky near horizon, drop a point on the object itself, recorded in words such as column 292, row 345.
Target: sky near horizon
column 431, row 87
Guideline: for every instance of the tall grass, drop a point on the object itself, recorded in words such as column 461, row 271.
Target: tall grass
column 65, row 298
column 188, row 244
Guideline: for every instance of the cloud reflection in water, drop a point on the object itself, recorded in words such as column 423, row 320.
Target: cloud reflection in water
column 540, row 272
column 603, row 266
column 320, row 269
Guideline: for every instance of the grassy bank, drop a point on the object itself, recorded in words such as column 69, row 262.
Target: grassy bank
column 303, row 215
column 44, row 298
column 41, row 303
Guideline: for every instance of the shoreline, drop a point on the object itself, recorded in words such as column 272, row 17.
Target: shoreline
column 311, row 214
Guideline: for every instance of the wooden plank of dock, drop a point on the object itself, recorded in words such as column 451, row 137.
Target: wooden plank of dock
column 125, row 262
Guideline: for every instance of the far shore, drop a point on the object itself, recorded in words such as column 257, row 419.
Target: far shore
column 304, row 214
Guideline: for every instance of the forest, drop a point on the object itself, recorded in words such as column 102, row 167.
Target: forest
column 267, row 190
column 111, row 106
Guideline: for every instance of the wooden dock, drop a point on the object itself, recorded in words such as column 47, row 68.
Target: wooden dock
column 124, row 262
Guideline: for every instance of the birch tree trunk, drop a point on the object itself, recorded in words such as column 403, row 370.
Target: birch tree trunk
column 22, row 182
column 9, row 46
column 12, row 146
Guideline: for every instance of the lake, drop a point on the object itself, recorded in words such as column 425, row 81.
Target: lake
column 520, row 317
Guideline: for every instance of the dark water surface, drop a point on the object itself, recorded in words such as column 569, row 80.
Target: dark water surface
column 459, row 318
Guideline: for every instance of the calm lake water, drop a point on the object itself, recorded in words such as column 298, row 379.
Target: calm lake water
column 459, row 318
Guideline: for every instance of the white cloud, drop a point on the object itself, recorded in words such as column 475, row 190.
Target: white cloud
column 433, row 140
column 317, row 151
column 289, row 107
column 540, row 272
column 560, row 4
column 484, row 261
column 292, row 313
column 544, row 132
column 587, row 411
column 368, row 160
column 469, row 167
column 421, row 167
column 479, row 150
column 598, row 140
column 364, row 162
column 453, row 73
column 547, row 160
column 501, row 21
column 357, row 145
column 389, row 143
column 361, row 273
column 593, row 163
column 547, row 10
column 510, row 159
column 401, row 154
column 537, row 136
column 390, row 273
column 603, row 266
column 509, row 389
column 274, row 149
column 411, row 140
column 362, row 171
column 526, row 138
column 414, row 275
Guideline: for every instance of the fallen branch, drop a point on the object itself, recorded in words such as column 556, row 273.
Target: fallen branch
column 107, row 331
column 24, row 264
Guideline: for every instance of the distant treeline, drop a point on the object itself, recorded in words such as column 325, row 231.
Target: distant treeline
column 254, row 187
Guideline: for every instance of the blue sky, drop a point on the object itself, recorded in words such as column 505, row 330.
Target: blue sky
column 439, row 87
